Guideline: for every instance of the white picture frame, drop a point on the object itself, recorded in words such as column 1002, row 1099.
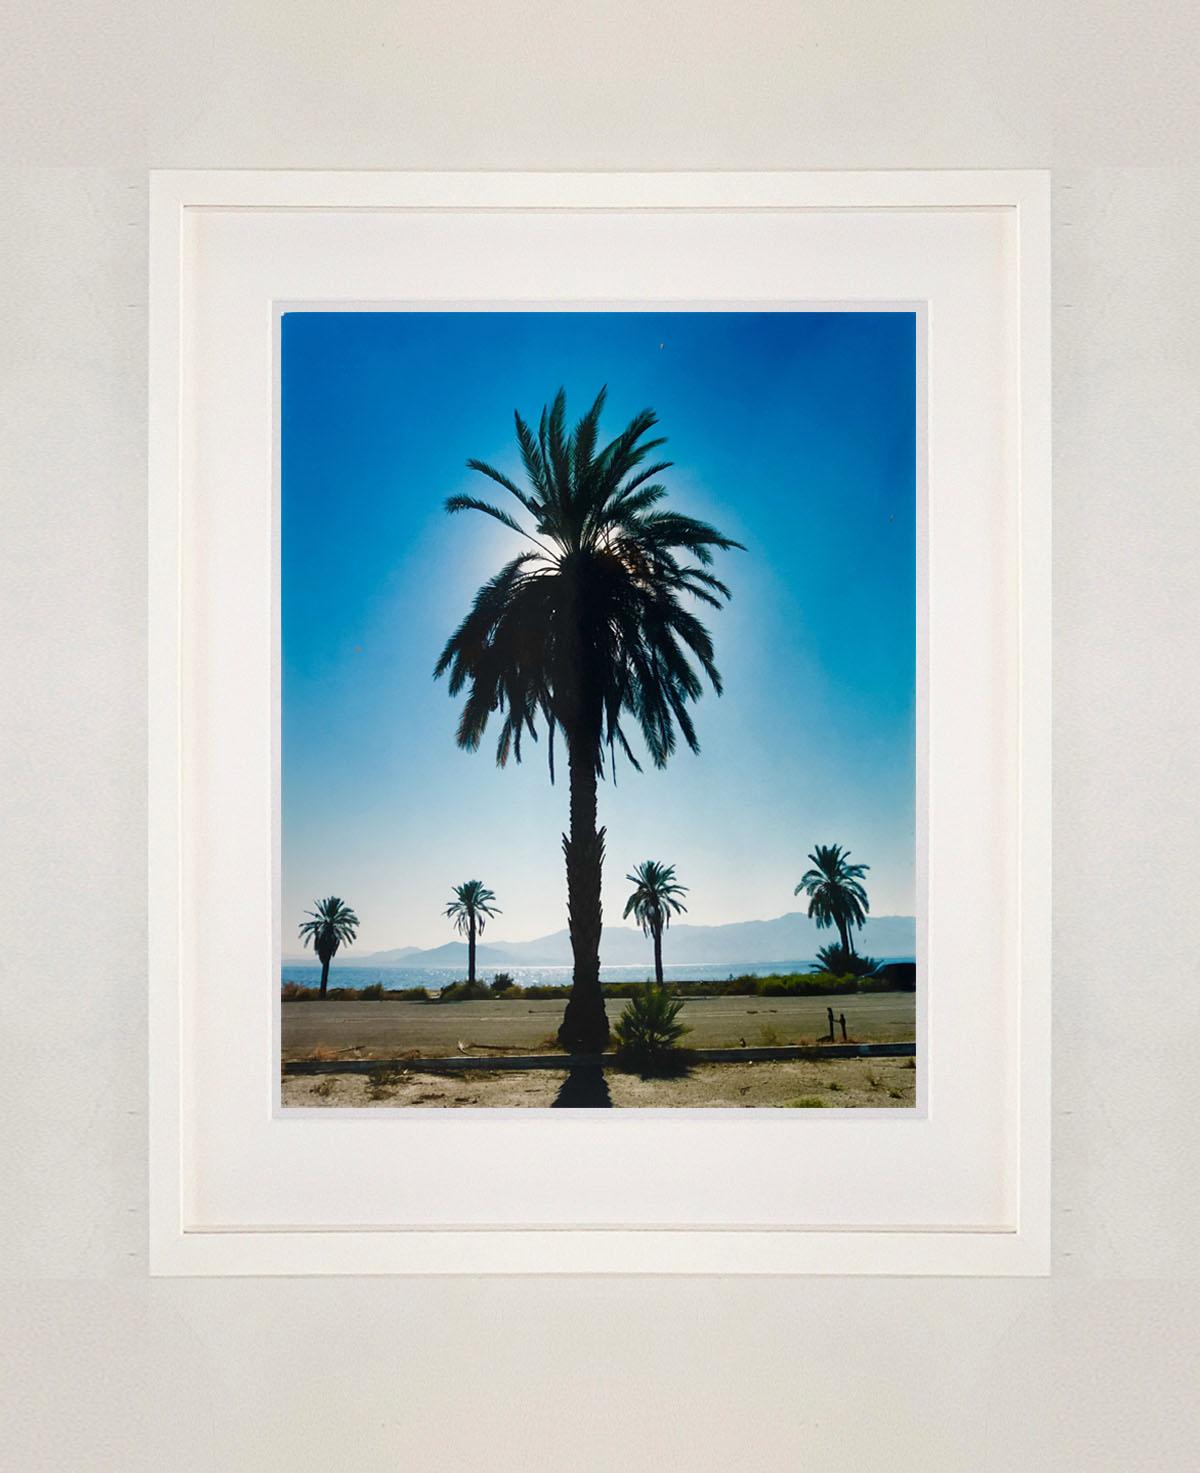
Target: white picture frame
column 238, row 1187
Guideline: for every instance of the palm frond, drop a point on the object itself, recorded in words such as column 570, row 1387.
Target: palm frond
column 594, row 628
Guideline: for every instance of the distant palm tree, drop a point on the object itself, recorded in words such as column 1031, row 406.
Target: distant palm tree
column 470, row 910
column 655, row 897
column 583, row 630
column 836, row 896
column 333, row 924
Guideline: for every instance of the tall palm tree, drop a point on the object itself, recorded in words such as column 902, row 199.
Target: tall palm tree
column 332, row 924
column 655, row 897
column 470, row 911
column 836, row 896
column 585, row 628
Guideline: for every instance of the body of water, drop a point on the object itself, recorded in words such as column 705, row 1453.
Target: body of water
column 309, row 975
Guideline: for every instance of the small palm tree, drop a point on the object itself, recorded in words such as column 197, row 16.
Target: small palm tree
column 655, row 897
column 332, row 924
column 649, row 1030
column 587, row 630
column 470, row 910
column 836, row 896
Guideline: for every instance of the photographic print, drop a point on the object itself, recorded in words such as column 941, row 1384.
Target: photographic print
column 598, row 654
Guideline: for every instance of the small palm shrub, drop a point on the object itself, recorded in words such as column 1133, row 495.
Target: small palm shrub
column 842, row 963
column 648, row 1031
column 501, row 982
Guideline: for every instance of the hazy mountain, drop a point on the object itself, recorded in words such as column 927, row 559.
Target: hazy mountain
column 787, row 938
column 393, row 958
column 452, row 954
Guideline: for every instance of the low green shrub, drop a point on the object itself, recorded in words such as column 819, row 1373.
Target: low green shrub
column 791, row 984
column 465, row 992
column 776, row 984
column 501, row 982
column 372, row 992
column 631, row 989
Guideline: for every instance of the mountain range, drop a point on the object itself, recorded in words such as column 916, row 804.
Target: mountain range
column 787, row 938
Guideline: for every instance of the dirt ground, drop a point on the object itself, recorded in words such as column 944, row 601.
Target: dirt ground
column 832, row 1084
column 388, row 1030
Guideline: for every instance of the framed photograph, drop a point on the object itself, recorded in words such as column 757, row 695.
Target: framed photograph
column 600, row 723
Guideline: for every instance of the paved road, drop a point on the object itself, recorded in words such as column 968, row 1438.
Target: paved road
column 388, row 1029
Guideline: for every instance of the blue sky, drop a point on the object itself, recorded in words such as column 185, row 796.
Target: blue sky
column 793, row 431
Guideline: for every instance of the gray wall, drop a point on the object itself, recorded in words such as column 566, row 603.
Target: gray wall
column 1087, row 1370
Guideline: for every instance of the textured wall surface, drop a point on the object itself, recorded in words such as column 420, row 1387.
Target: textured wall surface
column 1092, row 1369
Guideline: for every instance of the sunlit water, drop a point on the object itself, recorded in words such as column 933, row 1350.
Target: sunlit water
column 309, row 974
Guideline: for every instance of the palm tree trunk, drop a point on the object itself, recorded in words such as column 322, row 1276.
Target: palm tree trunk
column 584, row 1027
column 844, row 936
column 471, row 952
column 324, row 975
column 658, row 975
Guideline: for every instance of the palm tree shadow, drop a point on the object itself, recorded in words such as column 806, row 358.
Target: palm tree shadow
column 584, row 1088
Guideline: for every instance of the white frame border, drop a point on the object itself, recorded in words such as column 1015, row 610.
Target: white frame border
column 915, row 1250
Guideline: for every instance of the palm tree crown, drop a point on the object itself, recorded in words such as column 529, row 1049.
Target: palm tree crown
column 587, row 626
column 836, row 896
column 471, row 907
column 332, row 924
column 655, row 896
